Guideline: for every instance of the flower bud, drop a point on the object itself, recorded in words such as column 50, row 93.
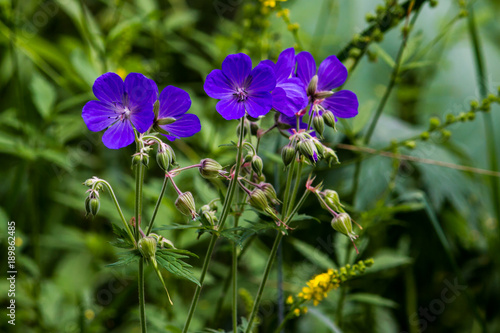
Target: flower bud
column 329, row 118
column 308, row 149
column 140, row 158
column 332, row 199
column 270, row 193
column 319, row 147
column 91, row 181
column 313, row 85
column 185, row 204
column 245, row 130
column 330, row 156
column 147, row 247
column 343, row 224
column 209, row 168
column 319, row 124
column 254, row 128
column 248, row 158
column 287, row 154
column 164, row 158
column 166, row 121
column 208, row 217
column 258, row 199
column 434, row 123
column 257, row 164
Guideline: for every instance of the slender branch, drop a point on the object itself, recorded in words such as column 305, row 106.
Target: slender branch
column 157, row 206
column 142, row 302
column 225, row 212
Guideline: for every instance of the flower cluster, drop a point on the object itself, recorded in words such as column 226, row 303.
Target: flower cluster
column 320, row 285
column 134, row 104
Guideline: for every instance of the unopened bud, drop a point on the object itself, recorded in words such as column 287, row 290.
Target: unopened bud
column 319, row 124
column 209, row 168
column 147, row 247
column 313, row 85
column 270, row 193
column 164, row 158
column 343, row 224
column 332, row 199
column 258, row 199
column 323, row 94
column 185, row 204
column 319, row 147
column 257, row 165
column 330, row 156
column 287, row 154
column 245, row 130
column 254, row 128
column 308, row 149
column 329, row 118
column 434, row 123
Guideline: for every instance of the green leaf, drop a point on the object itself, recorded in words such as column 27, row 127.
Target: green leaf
column 313, row 254
column 44, row 95
column 170, row 259
column 126, row 258
column 373, row 300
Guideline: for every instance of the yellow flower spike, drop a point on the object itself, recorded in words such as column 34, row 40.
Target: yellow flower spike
column 296, row 312
column 289, row 300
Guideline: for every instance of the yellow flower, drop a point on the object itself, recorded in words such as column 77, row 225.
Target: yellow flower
column 296, row 312
column 289, row 300
column 271, row 3
column 318, row 287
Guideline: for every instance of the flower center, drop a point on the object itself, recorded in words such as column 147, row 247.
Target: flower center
column 241, row 94
column 125, row 114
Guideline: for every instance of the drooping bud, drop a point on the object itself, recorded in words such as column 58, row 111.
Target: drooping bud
column 208, row 217
column 258, row 199
column 329, row 118
column 185, row 204
column 332, row 199
column 257, row 164
column 140, row 158
column 90, row 182
column 147, row 247
column 92, row 203
column 270, row 193
column 319, row 147
column 164, row 157
column 343, row 224
column 308, row 149
column 248, row 158
column 209, row 168
column 254, row 128
column 330, row 156
column 313, row 85
column 287, row 154
column 319, row 124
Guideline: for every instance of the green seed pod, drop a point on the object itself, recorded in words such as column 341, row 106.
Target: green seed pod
column 343, row 224
column 329, row 118
column 209, row 168
column 147, row 247
column 257, row 165
column 185, row 204
column 319, row 124
column 257, row 199
column 287, row 154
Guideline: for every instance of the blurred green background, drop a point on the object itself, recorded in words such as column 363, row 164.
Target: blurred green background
column 52, row 51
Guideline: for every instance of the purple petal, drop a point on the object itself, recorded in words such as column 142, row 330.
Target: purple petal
column 185, row 126
column 120, row 135
column 236, row 68
column 174, row 102
column 109, row 88
column 98, row 115
column 258, row 104
column 231, row 108
column 143, row 117
column 268, row 63
column 343, row 104
column 140, row 91
column 296, row 97
column 331, row 74
column 285, row 65
column 306, row 67
column 217, row 85
column 261, row 79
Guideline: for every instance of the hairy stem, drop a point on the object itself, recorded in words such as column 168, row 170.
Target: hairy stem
column 157, row 206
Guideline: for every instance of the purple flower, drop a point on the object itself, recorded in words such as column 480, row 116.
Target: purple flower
column 331, row 74
column 173, row 121
column 240, row 88
column 121, row 107
column 289, row 96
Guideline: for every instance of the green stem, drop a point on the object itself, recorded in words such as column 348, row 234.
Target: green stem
column 225, row 212
column 488, row 121
column 286, row 200
column 296, row 186
column 142, row 303
column 270, row 261
column 158, row 202
column 234, row 278
column 115, row 200
column 139, row 179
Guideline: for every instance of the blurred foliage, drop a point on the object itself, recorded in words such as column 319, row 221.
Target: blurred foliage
column 52, row 51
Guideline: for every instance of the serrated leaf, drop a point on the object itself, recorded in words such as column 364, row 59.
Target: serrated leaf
column 170, row 259
column 126, row 259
